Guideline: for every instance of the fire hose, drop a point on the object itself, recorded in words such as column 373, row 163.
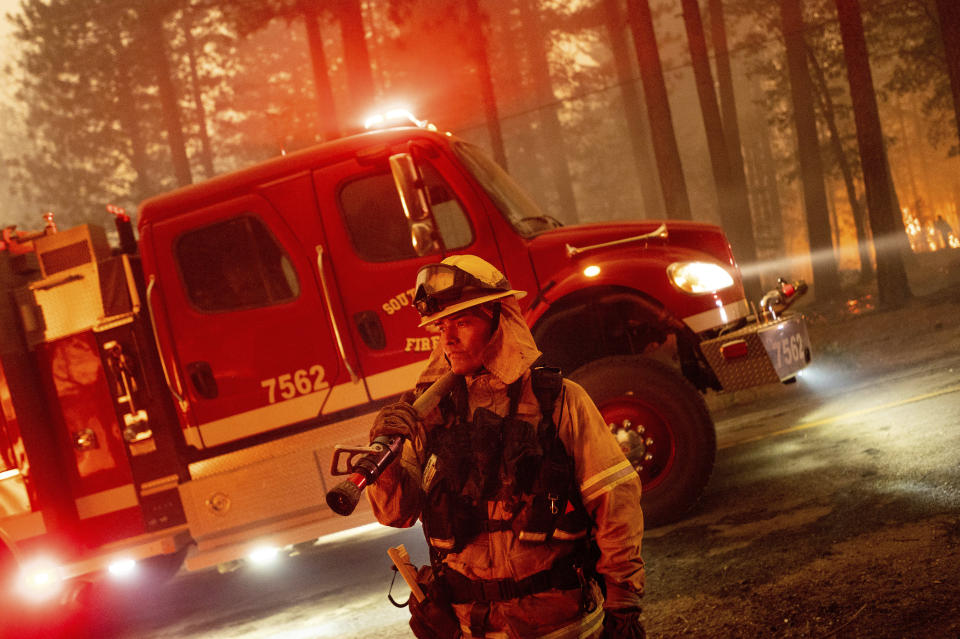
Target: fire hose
column 365, row 463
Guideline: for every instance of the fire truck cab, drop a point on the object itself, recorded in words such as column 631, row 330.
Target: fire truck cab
column 182, row 397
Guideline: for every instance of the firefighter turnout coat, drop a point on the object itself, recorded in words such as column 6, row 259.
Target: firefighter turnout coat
column 609, row 489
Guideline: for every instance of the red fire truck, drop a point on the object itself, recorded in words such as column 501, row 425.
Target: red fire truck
column 179, row 398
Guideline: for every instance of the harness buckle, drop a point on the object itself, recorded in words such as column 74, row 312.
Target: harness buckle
column 587, row 601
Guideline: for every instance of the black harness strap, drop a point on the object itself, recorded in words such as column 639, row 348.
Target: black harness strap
column 563, row 575
column 547, row 382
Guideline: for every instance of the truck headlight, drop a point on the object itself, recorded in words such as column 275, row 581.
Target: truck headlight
column 699, row 277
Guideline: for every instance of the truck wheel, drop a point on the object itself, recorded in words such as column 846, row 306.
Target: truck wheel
column 663, row 428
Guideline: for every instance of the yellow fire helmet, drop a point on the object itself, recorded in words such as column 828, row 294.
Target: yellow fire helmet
column 457, row 283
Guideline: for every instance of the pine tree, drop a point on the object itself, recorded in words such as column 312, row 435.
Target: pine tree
column 825, row 275
column 889, row 235
column 672, row 181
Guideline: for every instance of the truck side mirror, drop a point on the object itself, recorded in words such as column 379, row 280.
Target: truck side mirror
column 416, row 205
column 410, row 187
column 423, row 238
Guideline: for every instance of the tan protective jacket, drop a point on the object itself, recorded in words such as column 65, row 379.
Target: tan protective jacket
column 609, row 486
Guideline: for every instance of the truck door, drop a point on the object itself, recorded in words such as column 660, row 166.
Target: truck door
column 375, row 263
column 250, row 343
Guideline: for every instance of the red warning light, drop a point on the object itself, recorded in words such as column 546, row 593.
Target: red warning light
column 734, row 350
column 119, row 211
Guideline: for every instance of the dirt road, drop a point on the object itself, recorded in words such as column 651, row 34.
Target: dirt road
column 834, row 509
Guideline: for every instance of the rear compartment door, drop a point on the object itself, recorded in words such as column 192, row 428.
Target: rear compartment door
column 252, row 347
column 374, row 263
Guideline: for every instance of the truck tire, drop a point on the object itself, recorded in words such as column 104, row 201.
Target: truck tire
column 662, row 425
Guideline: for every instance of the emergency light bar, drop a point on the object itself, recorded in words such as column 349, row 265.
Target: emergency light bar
column 396, row 117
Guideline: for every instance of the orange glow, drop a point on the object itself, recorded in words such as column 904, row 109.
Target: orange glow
column 860, row 305
column 923, row 235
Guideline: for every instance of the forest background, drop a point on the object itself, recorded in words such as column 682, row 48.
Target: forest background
column 822, row 134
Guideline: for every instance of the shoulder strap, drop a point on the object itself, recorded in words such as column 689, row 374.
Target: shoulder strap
column 547, row 382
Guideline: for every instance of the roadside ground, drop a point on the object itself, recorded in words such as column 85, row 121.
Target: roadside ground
column 865, row 547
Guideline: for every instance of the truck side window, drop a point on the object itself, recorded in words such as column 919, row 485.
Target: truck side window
column 235, row 264
column 451, row 221
column 377, row 226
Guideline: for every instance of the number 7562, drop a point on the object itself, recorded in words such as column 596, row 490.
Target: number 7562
column 299, row 382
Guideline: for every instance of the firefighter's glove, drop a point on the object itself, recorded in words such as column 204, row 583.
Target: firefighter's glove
column 398, row 418
column 621, row 614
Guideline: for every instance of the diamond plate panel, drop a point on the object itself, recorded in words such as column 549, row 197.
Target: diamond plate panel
column 754, row 369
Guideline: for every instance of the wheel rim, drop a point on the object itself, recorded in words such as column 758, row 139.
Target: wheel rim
column 644, row 435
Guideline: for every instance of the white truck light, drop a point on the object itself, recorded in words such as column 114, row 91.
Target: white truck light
column 122, row 568
column 396, row 117
column 263, row 555
column 373, row 121
column 699, row 277
column 40, row 580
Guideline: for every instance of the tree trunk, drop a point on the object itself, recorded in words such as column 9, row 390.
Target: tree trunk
column 731, row 188
column 529, row 145
column 825, row 275
column 552, row 130
column 859, row 223
column 728, row 103
column 151, row 21
column 949, row 11
column 477, row 24
column 130, row 122
column 889, row 235
column 672, row 182
column 206, row 150
column 908, row 159
column 728, row 106
column 634, row 110
column 765, row 194
column 356, row 59
column 329, row 126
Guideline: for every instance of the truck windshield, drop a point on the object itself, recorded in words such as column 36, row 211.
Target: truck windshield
column 512, row 201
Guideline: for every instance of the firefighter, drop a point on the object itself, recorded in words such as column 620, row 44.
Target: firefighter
column 530, row 509
column 944, row 229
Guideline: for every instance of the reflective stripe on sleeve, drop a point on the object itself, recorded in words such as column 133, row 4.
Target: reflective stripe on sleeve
column 604, row 481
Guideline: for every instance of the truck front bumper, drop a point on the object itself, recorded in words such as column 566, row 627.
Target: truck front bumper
column 760, row 353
